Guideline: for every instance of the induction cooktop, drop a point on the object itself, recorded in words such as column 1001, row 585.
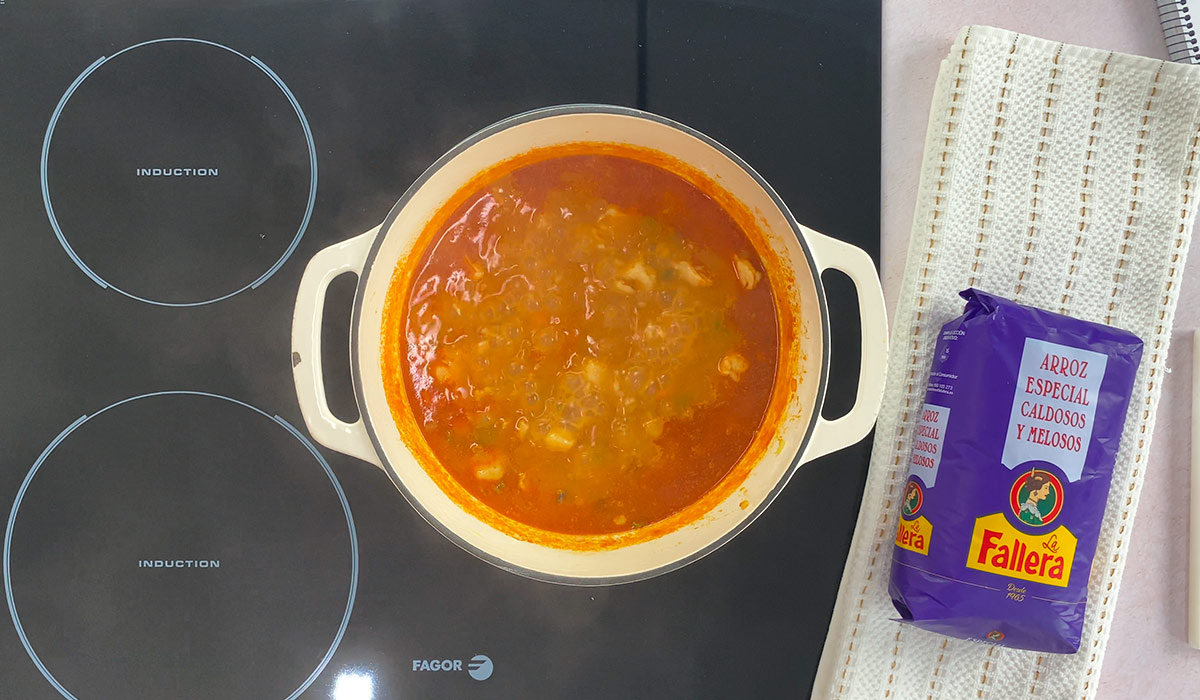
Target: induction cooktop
column 166, row 170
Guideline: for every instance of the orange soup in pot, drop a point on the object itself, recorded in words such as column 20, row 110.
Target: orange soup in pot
column 588, row 343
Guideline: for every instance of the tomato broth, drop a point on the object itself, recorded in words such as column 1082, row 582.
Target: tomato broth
column 589, row 343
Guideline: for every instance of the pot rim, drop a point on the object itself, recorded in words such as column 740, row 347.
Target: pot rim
column 368, row 268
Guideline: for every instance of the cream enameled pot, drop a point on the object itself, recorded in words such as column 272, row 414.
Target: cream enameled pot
column 798, row 435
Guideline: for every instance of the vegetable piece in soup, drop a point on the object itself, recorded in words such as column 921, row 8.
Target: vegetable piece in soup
column 588, row 347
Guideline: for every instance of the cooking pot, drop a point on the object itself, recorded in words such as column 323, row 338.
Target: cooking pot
column 792, row 434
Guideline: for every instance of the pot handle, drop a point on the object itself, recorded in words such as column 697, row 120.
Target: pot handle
column 348, row 438
column 832, row 435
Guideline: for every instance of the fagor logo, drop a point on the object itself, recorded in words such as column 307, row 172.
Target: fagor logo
column 480, row 667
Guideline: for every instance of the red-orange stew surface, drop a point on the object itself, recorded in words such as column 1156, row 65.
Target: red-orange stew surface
column 589, row 343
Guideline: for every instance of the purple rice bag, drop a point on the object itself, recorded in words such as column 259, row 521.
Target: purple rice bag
column 1009, row 474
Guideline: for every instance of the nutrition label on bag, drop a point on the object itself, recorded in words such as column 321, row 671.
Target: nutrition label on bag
column 1054, row 406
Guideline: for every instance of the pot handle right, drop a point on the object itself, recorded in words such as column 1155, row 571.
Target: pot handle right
column 348, row 438
column 832, row 435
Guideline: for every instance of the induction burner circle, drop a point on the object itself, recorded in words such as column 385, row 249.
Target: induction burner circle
column 180, row 544
column 178, row 172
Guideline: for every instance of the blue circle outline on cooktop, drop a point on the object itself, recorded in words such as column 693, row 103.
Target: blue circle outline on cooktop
column 104, row 284
column 12, row 518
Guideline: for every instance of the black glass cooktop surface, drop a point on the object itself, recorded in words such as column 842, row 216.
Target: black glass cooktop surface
column 166, row 543
column 172, row 531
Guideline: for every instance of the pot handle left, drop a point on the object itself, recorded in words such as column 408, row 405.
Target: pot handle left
column 833, row 435
column 348, row 438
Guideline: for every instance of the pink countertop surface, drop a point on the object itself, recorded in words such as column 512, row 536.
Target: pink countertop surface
column 1148, row 654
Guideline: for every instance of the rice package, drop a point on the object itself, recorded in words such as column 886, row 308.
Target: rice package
column 1009, row 474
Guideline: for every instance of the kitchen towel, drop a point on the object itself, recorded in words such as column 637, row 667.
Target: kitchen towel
column 1065, row 178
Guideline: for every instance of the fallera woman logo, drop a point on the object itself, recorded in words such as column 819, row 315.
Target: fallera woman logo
column 1036, row 497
